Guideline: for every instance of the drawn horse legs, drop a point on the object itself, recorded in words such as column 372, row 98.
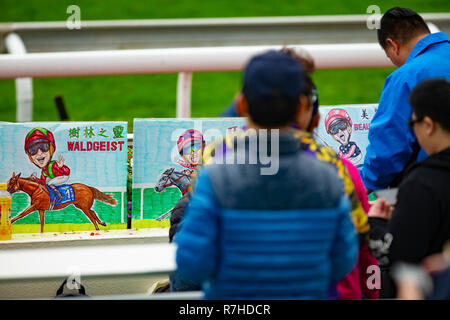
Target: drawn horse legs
column 97, row 218
column 42, row 219
column 24, row 213
column 88, row 214
column 91, row 216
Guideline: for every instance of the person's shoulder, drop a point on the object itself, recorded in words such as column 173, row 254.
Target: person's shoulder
column 404, row 74
column 322, row 175
column 420, row 178
column 424, row 65
column 53, row 165
column 428, row 175
column 324, row 153
column 330, row 157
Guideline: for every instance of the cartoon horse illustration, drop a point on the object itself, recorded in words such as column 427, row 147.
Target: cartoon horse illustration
column 40, row 199
column 170, row 177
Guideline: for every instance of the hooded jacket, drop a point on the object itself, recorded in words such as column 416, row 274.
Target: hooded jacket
column 420, row 223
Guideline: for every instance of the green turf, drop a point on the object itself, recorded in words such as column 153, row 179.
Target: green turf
column 133, row 96
column 155, row 204
column 48, row 10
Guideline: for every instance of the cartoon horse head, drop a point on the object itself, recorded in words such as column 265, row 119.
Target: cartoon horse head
column 13, row 183
column 171, row 177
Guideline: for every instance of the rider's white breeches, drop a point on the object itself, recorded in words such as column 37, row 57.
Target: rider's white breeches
column 56, row 181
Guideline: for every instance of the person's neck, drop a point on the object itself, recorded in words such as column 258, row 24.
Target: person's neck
column 441, row 142
column 254, row 126
column 442, row 146
column 411, row 44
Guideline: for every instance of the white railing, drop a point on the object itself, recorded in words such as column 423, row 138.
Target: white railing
column 104, row 269
column 111, row 62
column 90, row 261
column 24, row 86
column 181, row 60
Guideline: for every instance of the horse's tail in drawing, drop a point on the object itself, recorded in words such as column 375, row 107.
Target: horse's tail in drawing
column 104, row 197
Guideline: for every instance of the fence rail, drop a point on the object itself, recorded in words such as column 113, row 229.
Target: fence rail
column 104, row 268
column 146, row 61
column 181, row 60
column 50, row 263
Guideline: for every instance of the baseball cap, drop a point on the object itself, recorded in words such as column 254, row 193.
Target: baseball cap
column 273, row 75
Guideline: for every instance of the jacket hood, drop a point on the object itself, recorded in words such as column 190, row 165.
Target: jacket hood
column 439, row 161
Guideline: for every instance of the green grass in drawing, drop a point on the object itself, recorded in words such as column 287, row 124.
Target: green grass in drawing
column 155, row 204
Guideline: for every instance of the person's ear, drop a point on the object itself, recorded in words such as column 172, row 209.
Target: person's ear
column 303, row 106
column 315, row 120
column 430, row 125
column 395, row 45
column 303, row 115
column 241, row 105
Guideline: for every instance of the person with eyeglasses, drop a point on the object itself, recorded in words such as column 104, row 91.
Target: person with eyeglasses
column 40, row 147
column 419, row 225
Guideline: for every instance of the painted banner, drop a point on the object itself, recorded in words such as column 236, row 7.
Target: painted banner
column 345, row 128
column 65, row 176
column 166, row 155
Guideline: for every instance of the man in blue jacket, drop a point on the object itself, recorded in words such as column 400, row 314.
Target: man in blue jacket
column 419, row 55
column 250, row 233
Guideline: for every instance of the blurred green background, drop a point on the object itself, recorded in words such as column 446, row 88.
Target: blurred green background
column 133, row 96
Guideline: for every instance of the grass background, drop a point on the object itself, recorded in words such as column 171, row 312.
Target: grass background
column 132, row 96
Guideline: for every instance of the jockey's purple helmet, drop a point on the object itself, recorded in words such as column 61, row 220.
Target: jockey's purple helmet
column 189, row 136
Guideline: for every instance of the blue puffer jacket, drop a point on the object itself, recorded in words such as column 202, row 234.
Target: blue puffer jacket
column 252, row 236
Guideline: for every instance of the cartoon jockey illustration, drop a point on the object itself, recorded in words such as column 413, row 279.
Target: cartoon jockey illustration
column 338, row 124
column 190, row 147
column 40, row 147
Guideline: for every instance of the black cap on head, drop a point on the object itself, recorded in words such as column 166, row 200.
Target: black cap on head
column 273, row 83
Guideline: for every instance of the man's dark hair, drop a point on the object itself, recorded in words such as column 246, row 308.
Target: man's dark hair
column 431, row 98
column 262, row 111
column 401, row 24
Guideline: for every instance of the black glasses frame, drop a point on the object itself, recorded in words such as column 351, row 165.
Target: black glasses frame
column 412, row 122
